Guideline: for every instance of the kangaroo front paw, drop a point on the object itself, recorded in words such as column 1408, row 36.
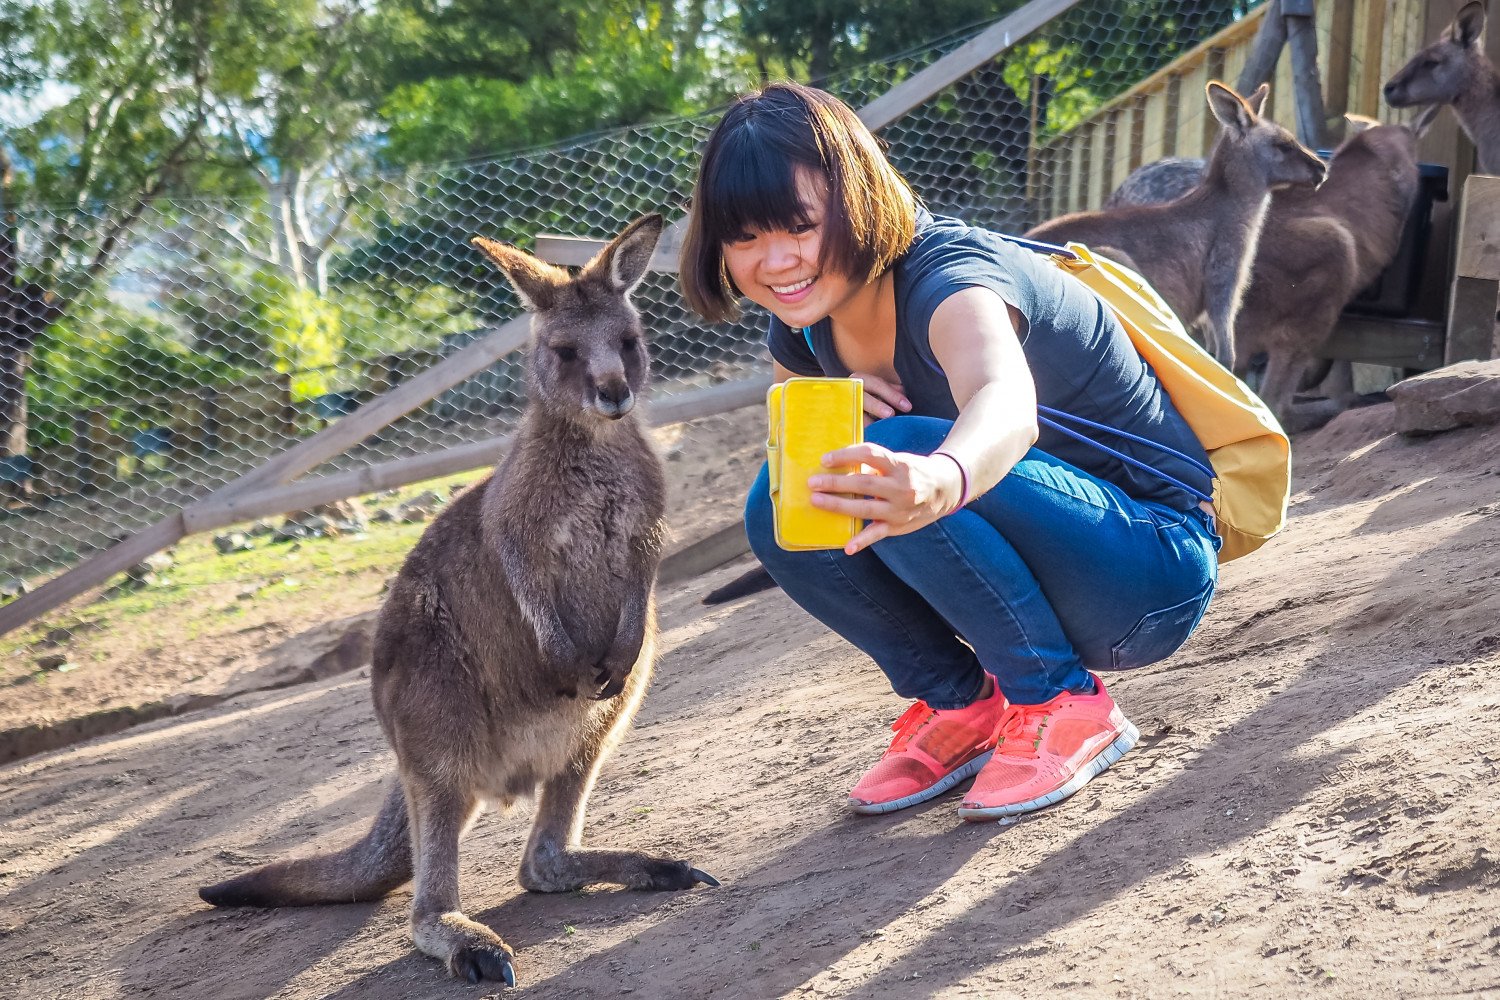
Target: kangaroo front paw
column 470, row 950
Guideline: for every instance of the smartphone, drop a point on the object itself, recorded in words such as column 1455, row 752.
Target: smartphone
column 808, row 418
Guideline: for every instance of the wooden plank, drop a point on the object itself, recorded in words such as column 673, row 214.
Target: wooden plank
column 1478, row 242
column 1153, row 121
column 1213, row 69
column 218, row 512
column 1109, row 157
column 1191, row 112
column 1171, row 115
column 91, row 573
column 1283, row 104
column 1471, row 320
column 718, row 547
column 1400, row 343
column 1137, row 149
column 575, row 251
column 1098, row 176
column 1340, row 72
column 919, row 88
column 339, row 437
column 1373, row 75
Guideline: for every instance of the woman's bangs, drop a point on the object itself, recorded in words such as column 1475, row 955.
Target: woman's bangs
column 753, row 187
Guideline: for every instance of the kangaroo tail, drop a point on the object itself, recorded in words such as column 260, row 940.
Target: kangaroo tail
column 752, row 582
column 368, row 869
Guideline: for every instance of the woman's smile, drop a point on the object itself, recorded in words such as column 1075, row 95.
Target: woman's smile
column 795, row 292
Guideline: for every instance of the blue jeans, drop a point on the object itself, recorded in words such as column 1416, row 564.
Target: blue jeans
column 1049, row 575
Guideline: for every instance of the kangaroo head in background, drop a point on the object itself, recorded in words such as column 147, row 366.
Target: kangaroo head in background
column 588, row 353
column 1445, row 69
column 1256, row 149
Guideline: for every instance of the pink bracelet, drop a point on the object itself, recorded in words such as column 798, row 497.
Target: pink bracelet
column 963, row 475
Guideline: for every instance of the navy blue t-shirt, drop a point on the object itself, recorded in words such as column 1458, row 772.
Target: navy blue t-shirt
column 1081, row 359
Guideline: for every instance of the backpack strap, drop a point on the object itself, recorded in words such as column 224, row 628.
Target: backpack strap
column 1050, row 417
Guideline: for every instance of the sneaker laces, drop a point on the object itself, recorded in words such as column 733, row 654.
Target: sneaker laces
column 911, row 720
column 1019, row 732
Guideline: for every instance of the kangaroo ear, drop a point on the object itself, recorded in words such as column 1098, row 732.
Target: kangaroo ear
column 623, row 263
column 1229, row 108
column 534, row 280
column 1355, row 124
column 1469, row 24
column 1257, row 100
column 1420, row 124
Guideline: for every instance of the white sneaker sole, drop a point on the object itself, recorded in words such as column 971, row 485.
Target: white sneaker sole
column 962, row 774
column 1122, row 743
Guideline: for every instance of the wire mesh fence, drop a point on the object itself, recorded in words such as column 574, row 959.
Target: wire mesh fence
column 168, row 349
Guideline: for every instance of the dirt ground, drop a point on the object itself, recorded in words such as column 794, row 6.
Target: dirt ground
column 1312, row 810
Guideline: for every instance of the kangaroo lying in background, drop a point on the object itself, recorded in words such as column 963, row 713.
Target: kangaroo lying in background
column 1454, row 70
column 1319, row 249
column 517, row 641
column 1196, row 251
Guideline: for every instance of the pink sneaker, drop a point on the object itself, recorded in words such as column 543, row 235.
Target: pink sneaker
column 1044, row 753
column 934, row 750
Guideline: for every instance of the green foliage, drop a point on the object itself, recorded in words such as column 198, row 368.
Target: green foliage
column 628, row 69
column 102, row 352
column 303, row 334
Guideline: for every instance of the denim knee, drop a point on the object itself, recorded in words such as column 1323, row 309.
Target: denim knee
column 904, row 432
column 760, row 519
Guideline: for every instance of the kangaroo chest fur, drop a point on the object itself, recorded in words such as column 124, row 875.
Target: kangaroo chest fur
column 586, row 511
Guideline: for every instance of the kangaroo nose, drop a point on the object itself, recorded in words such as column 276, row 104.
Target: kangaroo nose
column 1390, row 90
column 615, row 399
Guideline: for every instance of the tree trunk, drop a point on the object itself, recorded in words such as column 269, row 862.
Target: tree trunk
column 15, row 344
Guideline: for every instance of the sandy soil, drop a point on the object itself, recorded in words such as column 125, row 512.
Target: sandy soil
column 148, row 665
column 1311, row 811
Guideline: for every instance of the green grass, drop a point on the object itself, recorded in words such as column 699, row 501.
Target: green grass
column 205, row 593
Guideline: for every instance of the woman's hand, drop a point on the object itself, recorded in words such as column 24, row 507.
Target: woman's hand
column 882, row 398
column 905, row 493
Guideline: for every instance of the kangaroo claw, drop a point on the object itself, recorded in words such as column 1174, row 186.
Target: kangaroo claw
column 477, row 963
column 704, row 877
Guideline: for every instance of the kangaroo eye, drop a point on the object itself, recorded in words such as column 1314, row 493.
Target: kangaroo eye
column 566, row 354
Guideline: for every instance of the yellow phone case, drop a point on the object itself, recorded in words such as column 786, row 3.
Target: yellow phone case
column 809, row 417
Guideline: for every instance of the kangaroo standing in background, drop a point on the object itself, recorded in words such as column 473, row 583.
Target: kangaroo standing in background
column 1321, row 249
column 1196, row 251
column 517, row 641
column 1318, row 249
column 1454, row 70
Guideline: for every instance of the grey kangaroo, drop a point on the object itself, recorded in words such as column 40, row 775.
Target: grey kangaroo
column 517, row 640
column 1196, row 251
column 1318, row 250
column 1322, row 248
column 1454, row 70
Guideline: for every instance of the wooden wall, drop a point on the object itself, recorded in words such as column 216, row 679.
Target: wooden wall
column 1360, row 44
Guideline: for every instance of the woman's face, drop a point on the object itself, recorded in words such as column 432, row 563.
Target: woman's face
column 779, row 269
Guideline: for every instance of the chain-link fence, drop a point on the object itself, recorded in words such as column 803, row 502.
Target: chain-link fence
column 222, row 331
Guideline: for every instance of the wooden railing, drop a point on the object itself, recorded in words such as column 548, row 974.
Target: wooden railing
column 1360, row 44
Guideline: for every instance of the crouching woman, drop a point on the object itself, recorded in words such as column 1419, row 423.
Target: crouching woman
column 999, row 568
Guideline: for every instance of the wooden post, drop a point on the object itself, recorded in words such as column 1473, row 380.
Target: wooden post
column 1302, row 41
column 1260, row 66
column 1340, row 57
column 1476, row 279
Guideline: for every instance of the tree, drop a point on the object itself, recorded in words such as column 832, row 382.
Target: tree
column 129, row 126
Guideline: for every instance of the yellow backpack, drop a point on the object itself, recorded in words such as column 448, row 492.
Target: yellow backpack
column 1249, row 452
